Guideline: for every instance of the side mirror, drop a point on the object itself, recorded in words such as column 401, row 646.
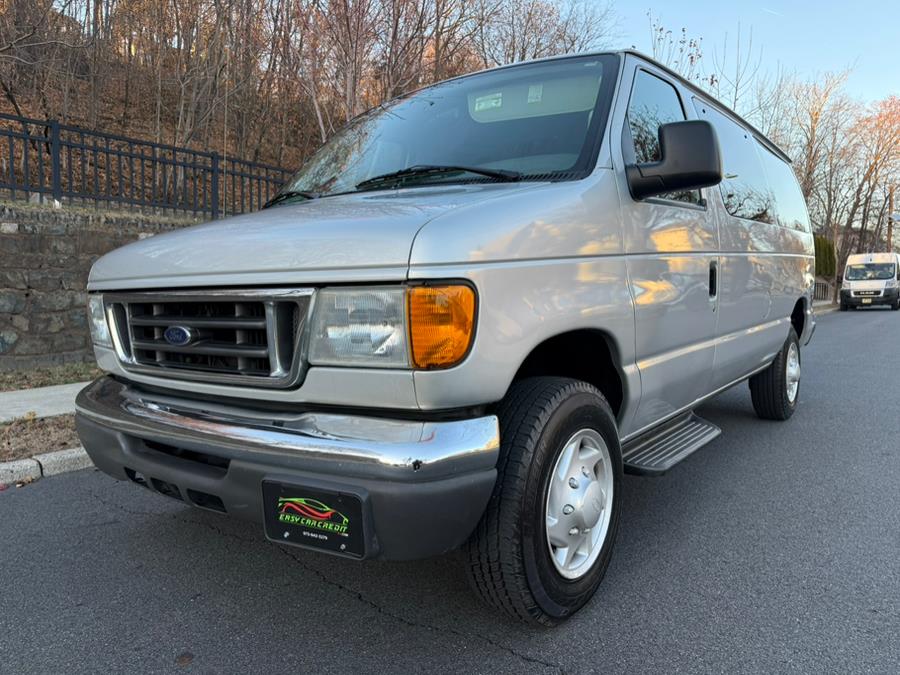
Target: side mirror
column 690, row 160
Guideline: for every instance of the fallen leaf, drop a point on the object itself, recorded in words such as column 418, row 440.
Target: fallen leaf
column 184, row 659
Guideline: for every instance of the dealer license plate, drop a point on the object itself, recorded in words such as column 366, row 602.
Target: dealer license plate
column 315, row 518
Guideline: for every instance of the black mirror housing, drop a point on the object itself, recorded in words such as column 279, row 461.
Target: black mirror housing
column 690, row 160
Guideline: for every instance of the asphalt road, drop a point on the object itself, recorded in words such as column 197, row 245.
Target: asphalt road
column 775, row 548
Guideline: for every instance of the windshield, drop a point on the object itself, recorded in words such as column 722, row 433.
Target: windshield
column 541, row 120
column 869, row 271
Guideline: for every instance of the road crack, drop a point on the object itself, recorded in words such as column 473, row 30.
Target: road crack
column 416, row 624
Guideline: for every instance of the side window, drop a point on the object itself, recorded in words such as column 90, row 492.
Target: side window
column 789, row 200
column 654, row 102
column 744, row 187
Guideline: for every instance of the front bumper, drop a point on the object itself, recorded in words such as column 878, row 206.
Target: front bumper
column 888, row 297
column 425, row 483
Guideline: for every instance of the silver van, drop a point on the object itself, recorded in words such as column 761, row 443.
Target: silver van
column 460, row 322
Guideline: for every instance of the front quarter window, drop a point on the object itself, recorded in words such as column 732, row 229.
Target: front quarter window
column 541, row 120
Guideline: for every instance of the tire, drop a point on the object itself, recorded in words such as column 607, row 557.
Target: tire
column 896, row 305
column 509, row 555
column 770, row 389
column 844, row 307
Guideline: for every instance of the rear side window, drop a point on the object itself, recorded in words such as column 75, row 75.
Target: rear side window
column 745, row 190
column 654, row 102
column 789, row 202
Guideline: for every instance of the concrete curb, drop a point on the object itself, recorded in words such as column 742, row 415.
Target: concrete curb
column 826, row 309
column 63, row 461
column 45, row 464
column 18, row 471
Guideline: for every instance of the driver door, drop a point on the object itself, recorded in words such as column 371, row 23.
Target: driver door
column 672, row 246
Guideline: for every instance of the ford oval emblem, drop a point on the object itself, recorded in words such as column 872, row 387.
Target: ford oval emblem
column 178, row 336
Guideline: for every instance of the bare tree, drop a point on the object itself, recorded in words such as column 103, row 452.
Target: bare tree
column 521, row 30
column 265, row 79
column 679, row 51
column 351, row 26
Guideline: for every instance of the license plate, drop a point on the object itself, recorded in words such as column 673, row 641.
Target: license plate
column 314, row 518
column 867, row 301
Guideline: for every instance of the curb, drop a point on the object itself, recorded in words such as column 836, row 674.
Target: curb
column 63, row 461
column 19, row 471
column 34, row 468
column 826, row 309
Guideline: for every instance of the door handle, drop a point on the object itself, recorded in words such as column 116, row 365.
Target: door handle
column 713, row 279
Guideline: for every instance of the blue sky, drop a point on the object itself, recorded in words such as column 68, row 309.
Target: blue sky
column 805, row 37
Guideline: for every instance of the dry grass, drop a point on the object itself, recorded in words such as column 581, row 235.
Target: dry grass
column 45, row 377
column 29, row 435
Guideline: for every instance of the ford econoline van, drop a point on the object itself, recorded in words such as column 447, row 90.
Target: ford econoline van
column 871, row 279
column 461, row 321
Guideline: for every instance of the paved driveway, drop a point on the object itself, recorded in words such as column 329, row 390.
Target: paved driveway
column 775, row 548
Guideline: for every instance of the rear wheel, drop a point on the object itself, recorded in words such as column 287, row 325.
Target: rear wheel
column 546, row 537
column 775, row 390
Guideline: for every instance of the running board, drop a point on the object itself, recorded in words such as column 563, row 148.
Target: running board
column 658, row 450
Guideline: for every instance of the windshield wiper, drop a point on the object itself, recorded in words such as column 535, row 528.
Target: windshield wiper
column 290, row 194
column 425, row 170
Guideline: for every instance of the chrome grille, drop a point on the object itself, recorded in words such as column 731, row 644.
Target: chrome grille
column 250, row 337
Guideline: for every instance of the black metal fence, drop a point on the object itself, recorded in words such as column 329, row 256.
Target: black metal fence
column 822, row 291
column 68, row 163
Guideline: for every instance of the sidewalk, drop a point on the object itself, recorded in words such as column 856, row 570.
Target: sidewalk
column 43, row 401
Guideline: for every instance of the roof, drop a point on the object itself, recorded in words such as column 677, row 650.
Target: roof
column 871, row 258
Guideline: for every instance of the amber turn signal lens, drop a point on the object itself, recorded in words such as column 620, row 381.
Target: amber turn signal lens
column 441, row 324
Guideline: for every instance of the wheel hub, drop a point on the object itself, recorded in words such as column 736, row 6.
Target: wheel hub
column 592, row 504
column 579, row 503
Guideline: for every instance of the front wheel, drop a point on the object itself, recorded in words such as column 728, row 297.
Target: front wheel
column 546, row 537
column 775, row 390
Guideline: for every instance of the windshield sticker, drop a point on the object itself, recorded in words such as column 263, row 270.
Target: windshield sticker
column 535, row 93
column 489, row 102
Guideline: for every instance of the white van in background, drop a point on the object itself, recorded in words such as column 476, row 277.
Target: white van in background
column 871, row 279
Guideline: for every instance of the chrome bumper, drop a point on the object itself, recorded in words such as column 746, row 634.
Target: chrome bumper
column 338, row 444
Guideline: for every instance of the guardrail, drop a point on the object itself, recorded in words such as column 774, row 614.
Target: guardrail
column 64, row 162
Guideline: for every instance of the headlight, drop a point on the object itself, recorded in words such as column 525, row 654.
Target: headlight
column 421, row 327
column 890, row 283
column 360, row 326
column 97, row 318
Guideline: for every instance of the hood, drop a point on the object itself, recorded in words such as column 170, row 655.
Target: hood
column 865, row 284
column 357, row 237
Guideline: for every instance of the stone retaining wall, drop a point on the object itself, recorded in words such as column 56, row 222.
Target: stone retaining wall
column 45, row 256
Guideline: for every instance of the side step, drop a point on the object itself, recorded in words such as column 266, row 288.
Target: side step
column 658, row 450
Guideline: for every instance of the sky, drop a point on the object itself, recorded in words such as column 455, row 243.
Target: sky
column 802, row 37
